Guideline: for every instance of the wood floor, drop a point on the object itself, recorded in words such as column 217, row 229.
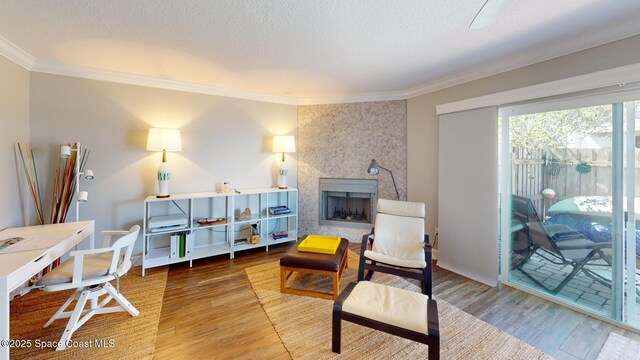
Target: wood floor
column 211, row 312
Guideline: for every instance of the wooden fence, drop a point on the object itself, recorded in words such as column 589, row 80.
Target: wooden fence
column 536, row 169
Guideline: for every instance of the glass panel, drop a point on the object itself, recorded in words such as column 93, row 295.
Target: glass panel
column 631, row 207
column 562, row 205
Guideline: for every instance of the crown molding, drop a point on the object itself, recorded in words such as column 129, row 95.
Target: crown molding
column 379, row 96
column 610, row 77
column 155, row 82
column 518, row 61
column 13, row 53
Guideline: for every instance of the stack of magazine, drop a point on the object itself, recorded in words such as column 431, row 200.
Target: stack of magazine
column 279, row 234
column 279, row 210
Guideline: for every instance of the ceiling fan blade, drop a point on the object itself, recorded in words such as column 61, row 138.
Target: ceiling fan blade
column 488, row 13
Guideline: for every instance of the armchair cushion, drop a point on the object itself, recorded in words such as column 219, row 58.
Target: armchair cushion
column 94, row 266
column 399, row 240
column 390, row 305
column 394, row 261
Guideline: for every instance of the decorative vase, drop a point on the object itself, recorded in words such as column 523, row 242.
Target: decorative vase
column 163, row 180
column 282, row 175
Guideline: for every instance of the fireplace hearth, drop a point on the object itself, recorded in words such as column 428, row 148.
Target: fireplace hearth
column 347, row 202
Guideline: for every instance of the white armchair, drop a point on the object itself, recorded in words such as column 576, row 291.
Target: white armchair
column 89, row 272
column 399, row 245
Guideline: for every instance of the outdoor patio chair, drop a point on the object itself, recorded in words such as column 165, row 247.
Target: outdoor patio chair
column 399, row 245
column 557, row 244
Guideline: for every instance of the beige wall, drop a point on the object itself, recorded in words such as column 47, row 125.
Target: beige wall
column 14, row 125
column 223, row 139
column 422, row 121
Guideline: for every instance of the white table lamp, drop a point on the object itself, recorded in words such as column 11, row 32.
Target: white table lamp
column 283, row 144
column 164, row 140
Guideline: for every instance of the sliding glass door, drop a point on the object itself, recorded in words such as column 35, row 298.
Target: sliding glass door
column 629, row 257
column 569, row 193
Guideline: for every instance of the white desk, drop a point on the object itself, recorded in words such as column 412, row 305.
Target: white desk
column 41, row 246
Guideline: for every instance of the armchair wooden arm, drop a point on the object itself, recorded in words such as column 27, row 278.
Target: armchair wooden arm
column 364, row 246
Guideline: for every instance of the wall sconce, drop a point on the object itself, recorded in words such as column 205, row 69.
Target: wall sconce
column 374, row 169
column 164, row 140
column 81, row 196
column 283, row 144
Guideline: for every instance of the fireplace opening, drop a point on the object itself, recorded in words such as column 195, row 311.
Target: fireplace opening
column 348, row 202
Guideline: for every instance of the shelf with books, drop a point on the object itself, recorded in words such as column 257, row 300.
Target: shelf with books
column 282, row 202
column 282, row 228
column 247, row 235
column 213, row 238
column 168, row 248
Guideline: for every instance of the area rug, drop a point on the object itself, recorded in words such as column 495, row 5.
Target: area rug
column 304, row 324
column 618, row 347
column 120, row 335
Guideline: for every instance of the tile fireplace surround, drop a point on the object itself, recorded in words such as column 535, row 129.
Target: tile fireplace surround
column 339, row 141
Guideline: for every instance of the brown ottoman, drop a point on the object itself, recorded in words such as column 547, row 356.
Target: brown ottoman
column 314, row 263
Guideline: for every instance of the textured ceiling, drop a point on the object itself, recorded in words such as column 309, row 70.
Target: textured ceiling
column 308, row 49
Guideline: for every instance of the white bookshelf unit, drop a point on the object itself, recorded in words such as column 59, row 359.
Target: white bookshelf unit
column 228, row 237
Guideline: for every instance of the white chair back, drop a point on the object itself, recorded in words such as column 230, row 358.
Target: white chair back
column 399, row 229
column 122, row 250
column 401, row 208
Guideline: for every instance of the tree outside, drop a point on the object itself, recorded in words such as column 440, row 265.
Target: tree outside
column 553, row 129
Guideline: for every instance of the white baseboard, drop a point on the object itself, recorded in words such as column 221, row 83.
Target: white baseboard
column 486, row 281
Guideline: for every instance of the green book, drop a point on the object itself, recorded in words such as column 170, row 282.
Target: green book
column 183, row 244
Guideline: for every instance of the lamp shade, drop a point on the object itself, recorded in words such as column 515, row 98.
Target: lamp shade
column 164, row 139
column 373, row 168
column 65, row 151
column 284, row 144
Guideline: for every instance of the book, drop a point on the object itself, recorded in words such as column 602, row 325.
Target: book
column 237, row 242
column 279, row 234
column 279, row 210
column 182, row 250
column 190, row 243
column 173, row 245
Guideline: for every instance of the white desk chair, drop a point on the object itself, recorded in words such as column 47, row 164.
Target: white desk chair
column 90, row 271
